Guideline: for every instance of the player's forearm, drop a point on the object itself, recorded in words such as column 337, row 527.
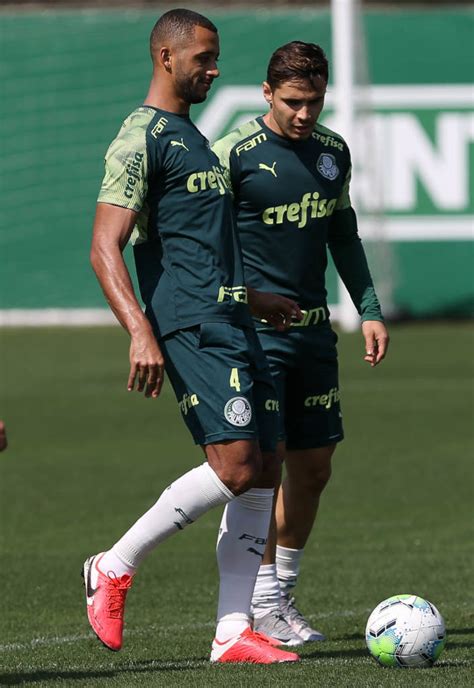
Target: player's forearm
column 351, row 264
column 277, row 310
column 114, row 279
column 253, row 301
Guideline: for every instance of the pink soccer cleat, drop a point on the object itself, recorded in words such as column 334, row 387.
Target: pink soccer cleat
column 105, row 595
column 251, row 648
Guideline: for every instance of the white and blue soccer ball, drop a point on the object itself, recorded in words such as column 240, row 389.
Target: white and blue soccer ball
column 405, row 631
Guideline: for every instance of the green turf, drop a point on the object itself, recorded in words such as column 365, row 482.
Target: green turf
column 86, row 458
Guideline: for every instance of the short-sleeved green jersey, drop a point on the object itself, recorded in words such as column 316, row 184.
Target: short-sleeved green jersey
column 187, row 254
column 292, row 201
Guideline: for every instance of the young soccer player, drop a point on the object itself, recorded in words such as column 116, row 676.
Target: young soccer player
column 165, row 189
column 290, row 178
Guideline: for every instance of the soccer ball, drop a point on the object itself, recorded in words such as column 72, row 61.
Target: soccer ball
column 405, row 631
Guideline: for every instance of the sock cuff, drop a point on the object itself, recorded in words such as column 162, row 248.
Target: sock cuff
column 121, row 556
column 288, row 566
column 288, row 554
column 267, row 570
column 257, row 499
column 227, row 495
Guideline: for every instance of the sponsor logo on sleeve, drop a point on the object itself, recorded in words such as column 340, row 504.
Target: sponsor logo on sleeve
column 159, row 126
column 133, row 166
column 327, row 140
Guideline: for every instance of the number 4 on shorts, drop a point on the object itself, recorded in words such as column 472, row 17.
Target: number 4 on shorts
column 234, row 379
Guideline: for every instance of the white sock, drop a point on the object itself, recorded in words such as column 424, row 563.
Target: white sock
column 288, row 567
column 190, row 496
column 240, row 547
column 266, row 594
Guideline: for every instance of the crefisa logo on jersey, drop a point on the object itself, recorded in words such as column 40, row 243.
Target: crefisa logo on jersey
column 238, row 411
column 327, row 166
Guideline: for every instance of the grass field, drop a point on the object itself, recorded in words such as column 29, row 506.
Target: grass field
column 85, row 459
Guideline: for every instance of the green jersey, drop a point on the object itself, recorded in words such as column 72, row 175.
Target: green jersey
column 186, row 249
column 292, row 201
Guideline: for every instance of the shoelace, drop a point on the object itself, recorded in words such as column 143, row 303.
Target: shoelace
column 267, row 646
column 279, row 619
column 294, row 613
column 261, row 638
column 116, row 591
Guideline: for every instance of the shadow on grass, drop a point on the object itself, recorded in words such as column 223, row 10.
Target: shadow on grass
column 332, row 654
column 459, row 631
column 350, row 636
column 450, row 663
column 454, row 645
column 146, row 666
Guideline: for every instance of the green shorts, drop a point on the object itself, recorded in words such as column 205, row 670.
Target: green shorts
column 222, row 383
column 303, row 362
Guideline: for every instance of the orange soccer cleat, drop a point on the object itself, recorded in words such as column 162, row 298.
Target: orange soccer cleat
column 105, row 595
column 249, row 647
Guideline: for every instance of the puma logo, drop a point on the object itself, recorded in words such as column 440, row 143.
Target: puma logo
column 255, row 551
column 262, row 166
column 180, row 143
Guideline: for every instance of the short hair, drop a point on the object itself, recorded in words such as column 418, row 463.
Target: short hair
column 179, row 25
column 297, row 61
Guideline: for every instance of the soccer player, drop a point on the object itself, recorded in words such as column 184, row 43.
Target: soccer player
column 164, row 189
column 3, row 436
column 290, row 179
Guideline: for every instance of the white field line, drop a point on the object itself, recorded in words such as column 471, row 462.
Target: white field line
column 180, row 664
column 51, row 317
column 53, row 641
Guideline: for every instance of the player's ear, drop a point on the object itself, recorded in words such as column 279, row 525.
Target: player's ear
column 267, row 92
column 165, row 58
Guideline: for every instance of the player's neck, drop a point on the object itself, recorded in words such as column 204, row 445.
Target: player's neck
column 271, row 124
column 161, row 95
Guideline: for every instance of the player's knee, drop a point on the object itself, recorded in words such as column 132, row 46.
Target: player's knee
column 319, row 477
column 313, row 474
column 240, row 471
column 271, row 471
column 241, row 478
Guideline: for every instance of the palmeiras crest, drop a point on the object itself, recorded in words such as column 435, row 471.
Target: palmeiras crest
column 327, row 166
column 238, row 411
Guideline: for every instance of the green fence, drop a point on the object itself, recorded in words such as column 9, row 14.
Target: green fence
column 71, row 77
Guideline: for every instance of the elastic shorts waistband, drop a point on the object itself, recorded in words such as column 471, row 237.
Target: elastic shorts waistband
column 311, row 316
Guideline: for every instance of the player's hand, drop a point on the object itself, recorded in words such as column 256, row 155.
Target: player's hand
column 3, row 436
column 277, row 310
column 147, row 368
column 376, row 341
